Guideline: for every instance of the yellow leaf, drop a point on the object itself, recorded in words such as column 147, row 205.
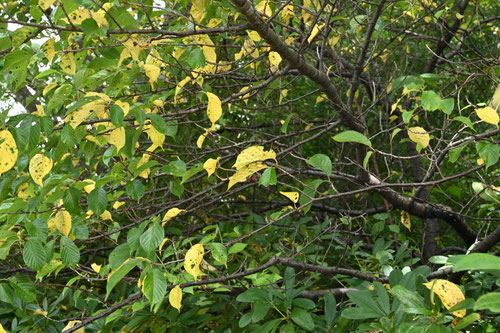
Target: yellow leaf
column 51, row 224
column 264, row 8
column 488, row 115
column 495, row 100
column 48, row 49
column 254, row 36
column 293, row 196
column 68, row 64
column 37, row 312
column 286, row 13
column 156, row 137
column 81, row 114
column 71, row 324
column 214, row 108
column 198, row 10
column 223, row 66
column 144, row 160
column 90, row 187
column 45, row 4
column 161, row 245
column 116, row 138
column 180, row 85
column 118, row 204
column 63, row 222
column 405, row 220
column 245, row 171
column 193, row 259
column 316, row 29
column 334, row 40
column 152, row 72
column 170, row 214
column 210, row 165
column 106, row 215
column 175, row 297
column 79, row 15
column 480, row 161
column 8, row 151
column 2, row 330
column 135, row 45
column 274, row 61
column 40, row 111
column 419, row 135
column 124, row 106
column 48, row 88
column 449, row 293
column 201, row 139
column 39, row 167
column 96, row 267
column 253, row 154
column 154, row 58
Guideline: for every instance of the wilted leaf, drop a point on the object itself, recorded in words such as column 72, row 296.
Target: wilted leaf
column 406, row 220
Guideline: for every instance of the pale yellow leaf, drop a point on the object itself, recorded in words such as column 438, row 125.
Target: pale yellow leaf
column 201, row 139
column 449, row 293
column 118, row 204
column 152, row 72
column 40, row 111
column 419, row 135
column 78, row 16
column 63, row 222
column 287, row 13
column 144, row 160
column 48, row 88
column 2, row 330
column 37, row 312
column 158, row 102
column 175, row 297
column 71, row 324
column 210, row 165
column 253, row 154
column 39, row 167
column 171, row 213
column 135, row 45
column 81, row 114
column 48, row 49
column 495, row 100
column 124, row 106
column 214, row 108
column 198, row 10
column 96, row 267
column 214, row 22
column 193, row 259
column 244, row 172
column 334, row 40
column 223, row 66
column 180, row 85
column 293, row 196
column 274, row 61
column 316, row 29
column 264, row 8
column 106, row 215
column 116, row 138
column 156, row 137
column 90, row 187
column 8, row 151
column 306, row 15
column 488, row 115
column 154, row 58
column 406, row 220
column 45, row 4
column 480, row 161
column 68, row 64
column 161, row 245
column 99, row 18
column 254, row 36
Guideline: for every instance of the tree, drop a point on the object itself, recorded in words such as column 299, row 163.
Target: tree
column 239, row 166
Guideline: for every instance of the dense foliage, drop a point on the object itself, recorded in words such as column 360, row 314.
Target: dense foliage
column 230, row 166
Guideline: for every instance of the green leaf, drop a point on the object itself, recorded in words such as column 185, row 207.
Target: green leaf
column 219, row 252
column 116, row 115
column 70, row 254
column 237, row 247
column 90, row 28
column 468, row 320
column 308, row 193
column 466, row 121
column 269, row 326
column 172, row 129
column 135, row 189
column 268, row 177
column 409, row 298
column 68, row 136
column 176, row 188
column 477, row 262
column 352, row 136
column 151, row 239
column 284, row 127
column 303, row 319
column 34, row 254
column 158, row 122
column 116, row 276
column 253, row 295
column 24, row 288
column 447, row 105
column 97, row 201
column 119, row 255
column 364, row 299
column 430, row 100
column 175, row 168
column 71, row 201
column 367, row 158
column 155, row 286
column 490, row 301
column 260, row 310
column 489, row 152
column 359, row 313
column 455, row 154
column 196, row 58
column 322, row 162
column 330, row 308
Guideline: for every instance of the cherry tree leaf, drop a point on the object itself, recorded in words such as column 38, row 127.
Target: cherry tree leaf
column 293, row 196
column 193, row 259
column 39, row 167
column 210, row 165
column 175, row 297
column 8, row 151
column 488, row 115
column 419, row 135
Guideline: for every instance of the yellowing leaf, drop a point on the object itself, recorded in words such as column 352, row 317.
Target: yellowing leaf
column 96, row 267
column 40, row 111
column 214, row 108
column 317, row 28
column 334, row 40
column 45, row 4
column 201, row 139
column 488, row 115
column 449, row 293
column 495, row 100
column 48, row 88
column 286, row 13
column 253, row 154
column 117, row 204
column 116, row 138
column 293, row 196
column 274, row 61
column 8, row 151
column 419, row 135
column 175, row 297
column 2, row 330
column 63, row 222
column 154, row 58
column 193, row 259
column 210, row 165
column 68, row 64
column 90, row 187
column 79, row 15
column 171, row 213
column 198, row 10
column 243, row 172
column 71, row 324
column 135, row 45
column 152, row 72
column 254, row 36
column 106, row 215
column 124, row 106
column 405, row 220
column 156, row 137
column 39, row 167
column 264, row 8
column 48, row 49
column 180, row 85
column 161, row 245
column 37, row 312
column 78, row 116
